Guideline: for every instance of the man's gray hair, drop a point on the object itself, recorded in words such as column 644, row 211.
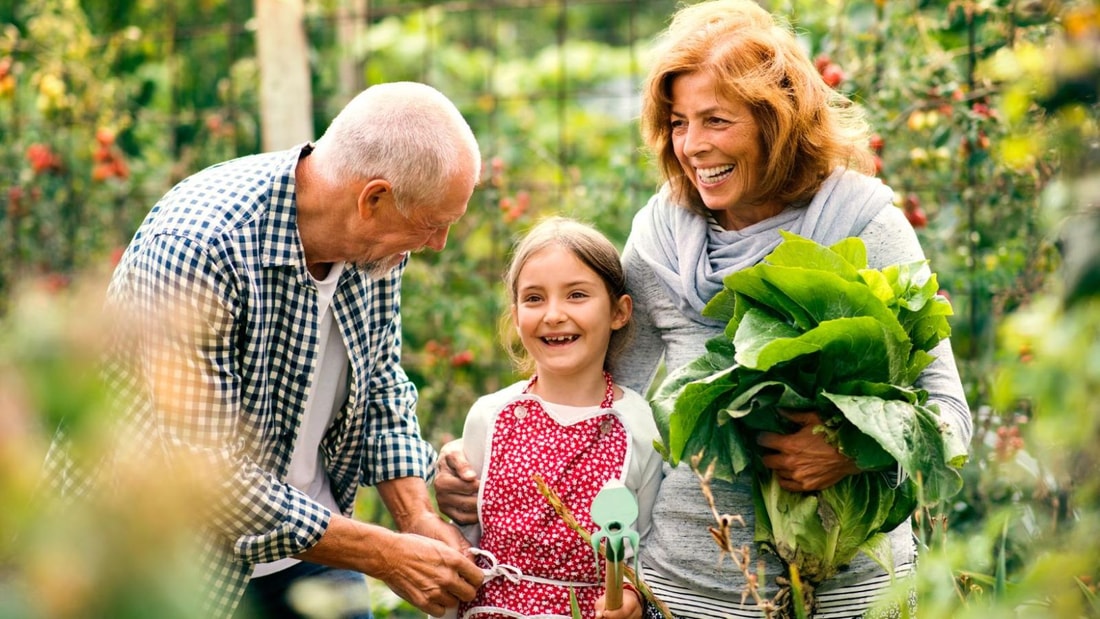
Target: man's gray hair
column 408, row 133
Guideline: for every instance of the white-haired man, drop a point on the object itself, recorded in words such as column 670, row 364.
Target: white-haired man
column 259, row 336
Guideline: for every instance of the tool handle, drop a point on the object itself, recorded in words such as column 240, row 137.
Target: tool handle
column 613, row 584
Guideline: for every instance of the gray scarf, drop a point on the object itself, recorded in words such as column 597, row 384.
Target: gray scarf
column 691, row 258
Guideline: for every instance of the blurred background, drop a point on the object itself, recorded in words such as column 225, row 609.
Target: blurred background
column 986, row 128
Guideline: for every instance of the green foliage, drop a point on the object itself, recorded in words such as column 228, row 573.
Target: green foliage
column 84, row 129
column 123, row 556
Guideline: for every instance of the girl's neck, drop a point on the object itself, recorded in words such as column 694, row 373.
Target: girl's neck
column 586, row 389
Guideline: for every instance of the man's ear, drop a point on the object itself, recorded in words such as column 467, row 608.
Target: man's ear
column 373, row 195
column 620, row 314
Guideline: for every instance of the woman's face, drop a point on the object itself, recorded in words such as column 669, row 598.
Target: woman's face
column 717, row 142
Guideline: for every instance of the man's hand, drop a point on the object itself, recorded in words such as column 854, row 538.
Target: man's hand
column 456, row 484
column 427, row 573
column 431, row 525
column 427, row 564
column 432, row 574
column 803, row 460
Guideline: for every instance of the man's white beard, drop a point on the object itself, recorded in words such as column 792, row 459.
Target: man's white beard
column 379, row 269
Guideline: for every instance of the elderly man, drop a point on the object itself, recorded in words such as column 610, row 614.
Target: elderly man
column 258, row 339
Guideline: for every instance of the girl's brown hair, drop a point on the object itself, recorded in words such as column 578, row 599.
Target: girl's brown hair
column 590, row 247
column 806, row 128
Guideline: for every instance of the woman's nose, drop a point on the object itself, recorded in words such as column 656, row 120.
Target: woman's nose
column 694, row 141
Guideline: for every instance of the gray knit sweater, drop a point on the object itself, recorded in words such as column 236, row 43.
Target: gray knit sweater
column 679, row 546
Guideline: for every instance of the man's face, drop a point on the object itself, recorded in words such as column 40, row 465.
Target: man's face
column 394, row 234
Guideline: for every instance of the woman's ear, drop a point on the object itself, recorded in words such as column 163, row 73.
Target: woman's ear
column 621, row 312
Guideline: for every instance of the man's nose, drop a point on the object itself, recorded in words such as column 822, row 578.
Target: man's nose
column 438, row 240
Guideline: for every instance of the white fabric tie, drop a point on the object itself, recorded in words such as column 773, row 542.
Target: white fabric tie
column 514, row 574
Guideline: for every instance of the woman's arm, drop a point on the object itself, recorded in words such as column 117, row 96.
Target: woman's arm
column 890, row 239
column 638, row 364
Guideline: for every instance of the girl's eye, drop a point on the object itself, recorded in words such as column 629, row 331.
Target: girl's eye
column 577, row 295
column 531, row 298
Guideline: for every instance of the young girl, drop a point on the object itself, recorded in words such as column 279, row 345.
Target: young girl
column 569, row 423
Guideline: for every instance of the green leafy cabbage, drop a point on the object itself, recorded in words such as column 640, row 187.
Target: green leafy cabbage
column 811, row 327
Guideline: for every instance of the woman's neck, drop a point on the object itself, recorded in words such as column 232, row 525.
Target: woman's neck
column 586, row 389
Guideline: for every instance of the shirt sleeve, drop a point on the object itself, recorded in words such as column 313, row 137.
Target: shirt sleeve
column 644, row 474
column 475, row 442
column 890, row 239
column 177, row 366
column 638, row 366
column 394, row 446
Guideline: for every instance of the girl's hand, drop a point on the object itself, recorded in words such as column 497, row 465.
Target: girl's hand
column 631, row 608
column 803, row 460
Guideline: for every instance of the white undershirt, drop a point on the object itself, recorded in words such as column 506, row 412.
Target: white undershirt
column 326, row 396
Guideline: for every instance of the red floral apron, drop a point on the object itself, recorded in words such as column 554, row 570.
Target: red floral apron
column 521, row 529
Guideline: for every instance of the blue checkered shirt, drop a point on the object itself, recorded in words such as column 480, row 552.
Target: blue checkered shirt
column 220, row 253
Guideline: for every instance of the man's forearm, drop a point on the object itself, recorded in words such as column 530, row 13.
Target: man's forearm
column 350, row 544
column 408, row 501
column 412, row 509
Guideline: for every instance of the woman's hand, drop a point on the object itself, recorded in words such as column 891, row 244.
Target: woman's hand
column 803, row 460
column 456, row 484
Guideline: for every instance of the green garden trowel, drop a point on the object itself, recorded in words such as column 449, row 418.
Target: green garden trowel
column 614, row 510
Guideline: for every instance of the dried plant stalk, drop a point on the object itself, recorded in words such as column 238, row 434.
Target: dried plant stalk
column 742, row 556
column 566, row 515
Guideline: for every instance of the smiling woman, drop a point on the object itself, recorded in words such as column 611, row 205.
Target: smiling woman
column 732, row 86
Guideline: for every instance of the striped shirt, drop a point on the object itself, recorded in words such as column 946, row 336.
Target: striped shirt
column 838, row 603
column 215, row 350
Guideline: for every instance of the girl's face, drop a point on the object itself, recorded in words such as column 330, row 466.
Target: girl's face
column 717, row 142
column 564, row 314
